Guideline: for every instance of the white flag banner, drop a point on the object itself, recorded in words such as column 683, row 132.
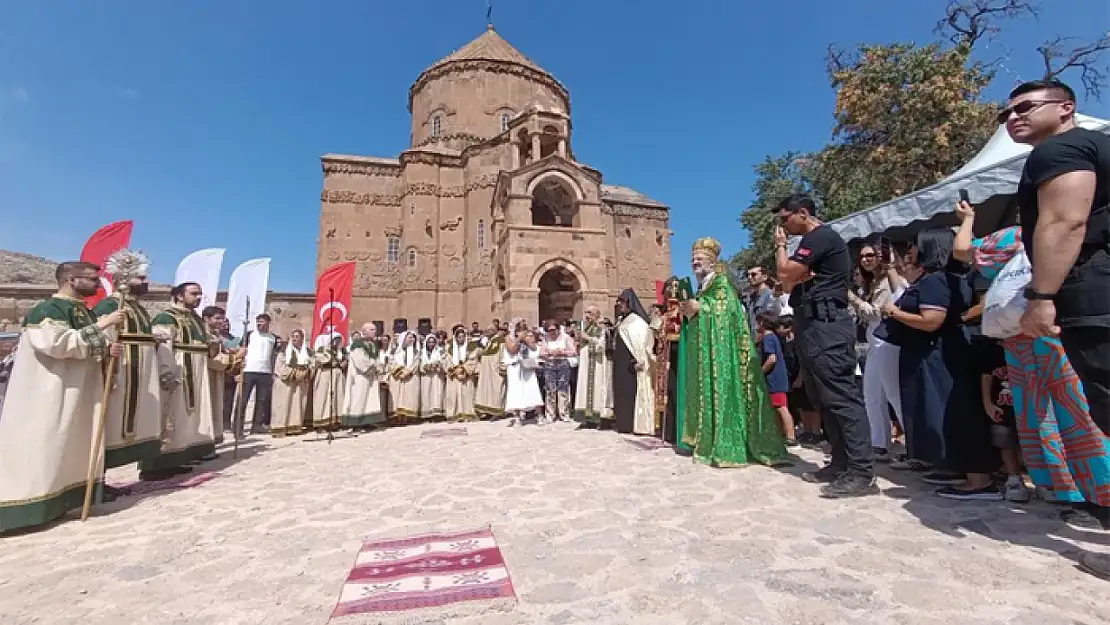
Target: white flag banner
column 249, row 283
column 202, row 267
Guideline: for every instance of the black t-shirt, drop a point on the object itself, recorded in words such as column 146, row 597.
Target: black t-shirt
column 939, row 290
column 826, row 254
column 991, row 360
column 1083, row 298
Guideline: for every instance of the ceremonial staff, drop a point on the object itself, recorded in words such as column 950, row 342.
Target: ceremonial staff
column 124, row 267
column 241, row 404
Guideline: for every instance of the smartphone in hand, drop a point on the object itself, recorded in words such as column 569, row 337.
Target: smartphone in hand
column 964, row 197
column 886, row 251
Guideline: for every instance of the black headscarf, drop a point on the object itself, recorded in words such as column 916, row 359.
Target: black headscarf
column 629, row 297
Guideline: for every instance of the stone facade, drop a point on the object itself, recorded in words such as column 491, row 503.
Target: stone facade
column 488, row 214
column 290, row 311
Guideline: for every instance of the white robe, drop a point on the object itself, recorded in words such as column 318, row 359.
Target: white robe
column 522, row 388
column 489, row 397
column 188, row 406
column 638, row 337
column 292, row 379
column 46, row 426
column 328, row 383
column 134, row 418
column 362, row 404
column 592, row 359
column 458, row 403
column 431, row 383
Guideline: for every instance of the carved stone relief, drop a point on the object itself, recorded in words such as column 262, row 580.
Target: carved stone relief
column 451, row 224
column 364, row 169
column 346, row 196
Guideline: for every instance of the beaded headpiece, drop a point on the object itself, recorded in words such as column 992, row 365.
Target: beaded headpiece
column 708, row 245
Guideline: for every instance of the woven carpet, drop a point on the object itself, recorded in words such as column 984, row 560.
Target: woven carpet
column 647, row 443
column 426, row 578
column 178, row 482
column 438, row 432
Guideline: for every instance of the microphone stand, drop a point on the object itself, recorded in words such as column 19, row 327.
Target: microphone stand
column 240, row 416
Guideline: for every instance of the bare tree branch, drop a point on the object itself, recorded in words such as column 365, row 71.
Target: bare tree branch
column 836, row 59
column 1085, row 58
column 967, row 21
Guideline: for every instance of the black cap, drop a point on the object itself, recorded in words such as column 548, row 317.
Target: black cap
column 424, row 325
column 400, row 325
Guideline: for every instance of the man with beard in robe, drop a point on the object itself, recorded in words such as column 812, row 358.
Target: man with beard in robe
column 52, row 402
column 134, row 419
column 187, row 356
column 591, row 402
column 633, row 397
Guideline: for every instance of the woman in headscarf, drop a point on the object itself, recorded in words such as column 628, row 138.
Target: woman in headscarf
column 523, row 390
column 633, row 397
column 431, row 379
column 461, row 365
column 406, row 382
column 292, row 370
column 329, row 381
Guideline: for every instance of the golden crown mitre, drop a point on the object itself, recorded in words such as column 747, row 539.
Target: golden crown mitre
column 708, row 245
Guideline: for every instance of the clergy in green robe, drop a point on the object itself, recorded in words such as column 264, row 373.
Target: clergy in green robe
column 134, row 417
column 53, row 399
column 187, row 355
column 727, row 418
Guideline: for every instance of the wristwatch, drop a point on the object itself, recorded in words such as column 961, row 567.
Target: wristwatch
column 1034, row 296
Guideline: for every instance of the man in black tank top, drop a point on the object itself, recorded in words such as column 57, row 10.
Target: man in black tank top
column 819, row 273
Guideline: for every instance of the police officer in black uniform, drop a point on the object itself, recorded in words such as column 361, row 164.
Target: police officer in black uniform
column 820, row 271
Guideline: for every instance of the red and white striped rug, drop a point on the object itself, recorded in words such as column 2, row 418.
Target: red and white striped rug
column 441, row 575
column 178, row 482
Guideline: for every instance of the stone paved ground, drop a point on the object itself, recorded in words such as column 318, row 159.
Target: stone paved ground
column 594, row 530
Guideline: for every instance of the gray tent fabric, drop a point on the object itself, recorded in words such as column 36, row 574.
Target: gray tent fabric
column 991, row 179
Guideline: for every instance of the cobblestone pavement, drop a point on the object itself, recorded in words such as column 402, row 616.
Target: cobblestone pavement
column 594, row 530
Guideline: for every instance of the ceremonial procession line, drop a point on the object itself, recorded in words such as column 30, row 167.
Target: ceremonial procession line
column 592, row 529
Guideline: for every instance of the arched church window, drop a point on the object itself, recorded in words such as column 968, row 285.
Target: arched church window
column 412, row 257
column 437, row 125
column 481, row 234
column 392, row 250
column 505, row 117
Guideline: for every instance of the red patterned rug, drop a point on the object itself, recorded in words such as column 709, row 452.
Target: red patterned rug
column 178, row 482
column 647, row 443
column 441, row 575
column 438, row 432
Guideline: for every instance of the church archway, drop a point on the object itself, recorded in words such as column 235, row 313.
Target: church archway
column 560, row 296
column 554, row 202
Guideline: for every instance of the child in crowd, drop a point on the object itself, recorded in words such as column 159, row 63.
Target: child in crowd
column 999, row 405
column 774, row 369
column 799, row 404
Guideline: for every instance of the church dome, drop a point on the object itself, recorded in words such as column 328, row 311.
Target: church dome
column 470, row 91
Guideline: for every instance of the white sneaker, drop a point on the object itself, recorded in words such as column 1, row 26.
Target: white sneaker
column 1016, row 491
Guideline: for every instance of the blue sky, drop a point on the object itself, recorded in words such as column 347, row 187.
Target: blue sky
column 203, row 121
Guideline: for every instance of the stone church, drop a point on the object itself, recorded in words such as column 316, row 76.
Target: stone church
column 489, row 214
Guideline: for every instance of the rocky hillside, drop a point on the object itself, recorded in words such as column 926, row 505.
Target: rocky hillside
column 20, row 268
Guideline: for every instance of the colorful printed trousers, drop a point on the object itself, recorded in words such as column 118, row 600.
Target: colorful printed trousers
column 1064, row 449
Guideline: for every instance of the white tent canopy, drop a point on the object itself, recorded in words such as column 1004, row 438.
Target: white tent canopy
column 992, row 175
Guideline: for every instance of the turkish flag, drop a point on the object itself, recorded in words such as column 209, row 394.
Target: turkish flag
column 333, row 301
column 102, row 244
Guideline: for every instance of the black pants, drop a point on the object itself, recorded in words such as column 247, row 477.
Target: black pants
column 230, row 386
column 828, row 353
column 1088, row 349
column 262, row 385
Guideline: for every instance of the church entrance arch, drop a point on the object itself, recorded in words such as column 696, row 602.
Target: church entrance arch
column 560, row 293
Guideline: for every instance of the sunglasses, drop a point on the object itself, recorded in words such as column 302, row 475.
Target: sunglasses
column 1021, row 109
column 868, row 255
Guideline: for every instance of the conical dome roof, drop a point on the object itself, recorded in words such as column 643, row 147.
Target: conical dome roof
column 492, row 47
column 489, row 46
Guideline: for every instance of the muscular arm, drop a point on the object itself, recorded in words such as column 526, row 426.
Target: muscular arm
column 790, row 272
column 1065, row 204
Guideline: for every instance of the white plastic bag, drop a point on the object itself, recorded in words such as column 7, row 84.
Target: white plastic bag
column 1005, row 303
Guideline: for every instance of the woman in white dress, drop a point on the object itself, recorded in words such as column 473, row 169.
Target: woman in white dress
column 522, row 394
column 293, row 374
column 431, row 379
column 406, row 389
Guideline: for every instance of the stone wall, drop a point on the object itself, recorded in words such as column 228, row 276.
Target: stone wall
column 289, row 310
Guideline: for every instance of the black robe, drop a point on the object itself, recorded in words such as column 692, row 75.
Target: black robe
column 624, row 386
column 670, row 421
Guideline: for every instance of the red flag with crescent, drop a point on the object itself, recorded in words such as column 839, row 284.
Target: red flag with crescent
column 333, row 301
column 102, row 244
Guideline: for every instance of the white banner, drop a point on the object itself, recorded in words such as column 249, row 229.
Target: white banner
column 248, row 284
column 202, row 267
